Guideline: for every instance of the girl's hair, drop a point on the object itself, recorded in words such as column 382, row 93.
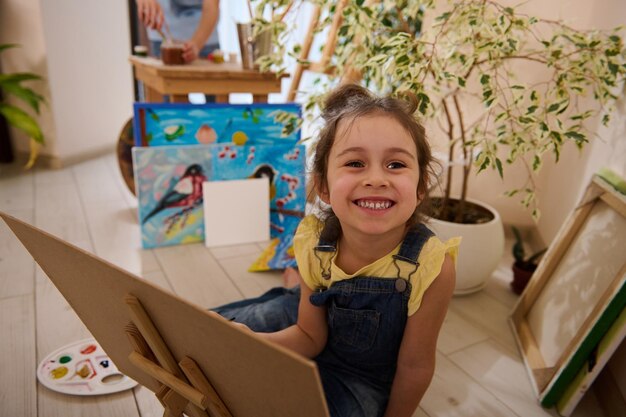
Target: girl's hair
column 350, row 102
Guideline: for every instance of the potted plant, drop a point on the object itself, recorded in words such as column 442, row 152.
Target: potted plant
column 11, row 85
column 523, row 267
column 468, row 64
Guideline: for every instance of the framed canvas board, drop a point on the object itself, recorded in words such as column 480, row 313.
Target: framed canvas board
column 592, row 366
column 236, row 212
column 253, row 377
column 576, row 293
column 167, row 124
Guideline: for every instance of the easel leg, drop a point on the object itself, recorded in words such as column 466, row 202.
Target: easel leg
column 198, row 380
column 152, row 355
column 173, row 403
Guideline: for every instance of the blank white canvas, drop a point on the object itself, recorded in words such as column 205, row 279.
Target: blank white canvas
column 236, row 211
column 583, row 275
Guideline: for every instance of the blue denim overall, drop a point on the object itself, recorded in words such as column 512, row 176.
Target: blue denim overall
column 366, row 319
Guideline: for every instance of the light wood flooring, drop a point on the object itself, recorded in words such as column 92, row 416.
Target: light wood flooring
column 479, row 370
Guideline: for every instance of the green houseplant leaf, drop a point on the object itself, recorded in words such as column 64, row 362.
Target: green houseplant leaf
column 11, row 85
column 21, row 120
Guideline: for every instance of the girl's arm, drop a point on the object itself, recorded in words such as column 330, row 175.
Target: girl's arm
column 416, row 360
column 308, row 335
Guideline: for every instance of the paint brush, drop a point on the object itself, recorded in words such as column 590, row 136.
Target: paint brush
column 167, row 30
column 167, row 35
column 162, row 34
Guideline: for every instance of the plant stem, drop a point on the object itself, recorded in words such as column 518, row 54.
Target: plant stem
column 467, row 164
column 443, row 213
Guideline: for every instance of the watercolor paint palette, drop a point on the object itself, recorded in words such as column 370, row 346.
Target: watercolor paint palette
column 82, row 368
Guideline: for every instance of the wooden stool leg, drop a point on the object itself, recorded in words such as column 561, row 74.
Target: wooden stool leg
column 259, row 98
column 152, row 96
column 221, row 98
column 179, row 98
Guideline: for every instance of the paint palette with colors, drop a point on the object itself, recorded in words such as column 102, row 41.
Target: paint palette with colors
column 82, row 368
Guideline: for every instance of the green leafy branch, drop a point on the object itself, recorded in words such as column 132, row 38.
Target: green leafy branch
column 468, row 69
column 11, row 85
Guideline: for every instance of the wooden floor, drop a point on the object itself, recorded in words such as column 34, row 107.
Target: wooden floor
column 479, row 370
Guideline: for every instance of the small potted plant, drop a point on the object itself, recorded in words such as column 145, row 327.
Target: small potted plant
column 523, row 267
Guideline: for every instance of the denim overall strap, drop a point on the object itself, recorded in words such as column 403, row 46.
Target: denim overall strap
column 325, row 251
column 411, row 247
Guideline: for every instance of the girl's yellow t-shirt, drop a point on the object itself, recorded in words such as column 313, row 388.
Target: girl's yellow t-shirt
column 430, row 259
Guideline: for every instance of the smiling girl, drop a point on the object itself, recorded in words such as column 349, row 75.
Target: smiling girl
column 375, row 282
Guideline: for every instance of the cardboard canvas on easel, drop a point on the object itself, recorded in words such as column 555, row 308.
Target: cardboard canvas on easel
column 252, row 377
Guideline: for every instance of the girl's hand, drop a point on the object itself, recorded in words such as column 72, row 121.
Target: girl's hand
column 150, row 13
column 238, row 325
column 242, row 326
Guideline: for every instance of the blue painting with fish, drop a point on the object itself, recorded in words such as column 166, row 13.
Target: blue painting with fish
column 284, row 167
column 166, row 124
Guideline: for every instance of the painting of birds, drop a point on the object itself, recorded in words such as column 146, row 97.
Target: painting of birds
column 186, row 192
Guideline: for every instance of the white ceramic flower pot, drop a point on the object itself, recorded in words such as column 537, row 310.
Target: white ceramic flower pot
column 480, row 251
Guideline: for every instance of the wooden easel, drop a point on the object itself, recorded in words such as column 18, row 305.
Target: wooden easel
column 183, row 385
column 195, row 362
column 323, row 65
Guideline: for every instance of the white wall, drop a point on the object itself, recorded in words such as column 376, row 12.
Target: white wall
column 20, row 23
column 81, row 48
column 88, row 44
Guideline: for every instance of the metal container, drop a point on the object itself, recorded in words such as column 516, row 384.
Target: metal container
column 252, row 47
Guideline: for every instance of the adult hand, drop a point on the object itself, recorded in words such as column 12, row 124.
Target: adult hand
column 190, row 51
column 150, row 13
